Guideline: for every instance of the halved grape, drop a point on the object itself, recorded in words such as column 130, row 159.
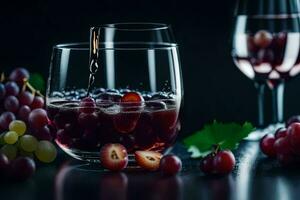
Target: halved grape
column 46, row 151
column 10, row 151
column 28, row 143
column 18, row 126
column 11, row 137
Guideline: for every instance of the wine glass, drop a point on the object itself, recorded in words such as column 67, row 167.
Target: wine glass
column 266, row 44
column 125, row 89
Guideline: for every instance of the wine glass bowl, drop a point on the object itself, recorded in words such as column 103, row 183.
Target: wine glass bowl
column 263, row 53
column 266, row 48
column 135, row 97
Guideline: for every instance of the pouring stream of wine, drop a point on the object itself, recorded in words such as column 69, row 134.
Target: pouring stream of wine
column 93, row 65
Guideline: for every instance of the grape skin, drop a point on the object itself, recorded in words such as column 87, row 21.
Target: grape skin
column 4, row 164
column 2, row 91
column 10, row 151
column 11, row 103
column 26, row 98
column 28, row 143
column 38, row 102
column 11, row 137
column 18, row 126
column 24, row 112
column 12, row 88
column 19, row 74
column 23, row 168
column 38, row 118
column 46, row 151
column 5, row 119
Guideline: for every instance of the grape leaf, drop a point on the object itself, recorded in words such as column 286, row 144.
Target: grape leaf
column 225, row 136
column 37, row 81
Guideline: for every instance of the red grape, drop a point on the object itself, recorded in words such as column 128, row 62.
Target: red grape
column 4, row 164
column 24, row 112
column 87, row 105
column 26, row 98
column 267, row 145
column 38, row 102
column 23, row 168
column 5, row 119
column 2, row 91
column 206, row 164
column 292, row 119
column 263, row 38
column 88, row 120
column 18, row 75
column 11, row 103
column 282, row 146
column 38, row 118
column 281, row 132
column 43, row 133
column 294, row 136
column 224, row 162
column 12, row 88
column 170, row 165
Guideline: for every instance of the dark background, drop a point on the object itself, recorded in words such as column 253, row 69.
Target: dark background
column 214, row 87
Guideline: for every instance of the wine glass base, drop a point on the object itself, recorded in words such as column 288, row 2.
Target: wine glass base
column 259, row 133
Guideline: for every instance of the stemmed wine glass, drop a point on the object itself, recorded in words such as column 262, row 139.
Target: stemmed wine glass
column 125, row 89
column 266, row 44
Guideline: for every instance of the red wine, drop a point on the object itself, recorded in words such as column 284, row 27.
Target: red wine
column 280, row 60
column 264, row 53
column 94, row 54
column 153, row 125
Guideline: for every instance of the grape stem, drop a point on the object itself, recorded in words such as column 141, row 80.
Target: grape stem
column 2, row 77
column 31, row 88
column 216, row 148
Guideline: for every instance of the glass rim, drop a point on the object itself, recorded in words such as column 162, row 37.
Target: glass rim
column 135, row 26
column 85, row 46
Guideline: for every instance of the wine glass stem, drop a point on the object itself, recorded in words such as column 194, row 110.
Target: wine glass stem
column 277, row 98
column 260, row 102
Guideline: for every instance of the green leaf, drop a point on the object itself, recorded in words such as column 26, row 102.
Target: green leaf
column 37, row 81
column 225, row 136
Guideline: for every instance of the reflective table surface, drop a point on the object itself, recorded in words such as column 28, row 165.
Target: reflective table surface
column 255, row 177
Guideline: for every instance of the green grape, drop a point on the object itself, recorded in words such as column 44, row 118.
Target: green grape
column 10, row 151
column 2, row 142
column 18, row 126
column 28, row 143
column 46, row 151
column 11, row 137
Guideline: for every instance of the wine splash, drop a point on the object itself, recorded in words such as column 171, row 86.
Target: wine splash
column 94, row 54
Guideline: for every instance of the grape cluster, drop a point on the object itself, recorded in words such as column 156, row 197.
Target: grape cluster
column 25, row 132
column 284, row 144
